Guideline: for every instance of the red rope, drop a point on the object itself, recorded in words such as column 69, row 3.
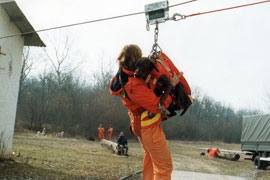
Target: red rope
column 196, row 14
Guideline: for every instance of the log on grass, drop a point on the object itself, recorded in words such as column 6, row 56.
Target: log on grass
column 109, row 144
column 229, row 156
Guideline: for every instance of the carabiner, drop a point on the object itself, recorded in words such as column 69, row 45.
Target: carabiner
column 174, row 17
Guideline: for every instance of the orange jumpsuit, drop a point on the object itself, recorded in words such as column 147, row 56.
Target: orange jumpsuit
column 213, row 153
column 139, row 99
column 100, row 133
column 110, row 133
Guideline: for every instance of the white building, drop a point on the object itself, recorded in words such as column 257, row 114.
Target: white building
column 12, row 21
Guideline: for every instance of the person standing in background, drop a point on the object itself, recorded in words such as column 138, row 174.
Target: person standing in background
column 110, row 130
column 100, row 132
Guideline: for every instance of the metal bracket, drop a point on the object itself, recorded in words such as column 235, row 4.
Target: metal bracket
column 157, row 12
column 1, row 53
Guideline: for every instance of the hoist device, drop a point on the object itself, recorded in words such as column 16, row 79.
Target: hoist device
column 157, row 12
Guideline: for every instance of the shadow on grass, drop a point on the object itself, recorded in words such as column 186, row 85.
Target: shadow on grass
column 22, row 171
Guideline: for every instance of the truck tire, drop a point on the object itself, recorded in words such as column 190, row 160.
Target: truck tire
column 253, row 156
column 258, row 164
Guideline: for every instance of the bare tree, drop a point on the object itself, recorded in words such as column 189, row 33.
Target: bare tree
column 27, row 64
column 61, row 56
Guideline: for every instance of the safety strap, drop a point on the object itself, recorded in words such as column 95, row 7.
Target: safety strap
column 151, row 121
column 123, row 93
column 164, row 65
column 166, row 68
column 148, row 78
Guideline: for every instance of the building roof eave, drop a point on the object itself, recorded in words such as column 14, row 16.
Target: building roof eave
column 17, row 17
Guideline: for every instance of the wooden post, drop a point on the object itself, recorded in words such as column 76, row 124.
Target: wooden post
column 229, row 156
column 109, row 144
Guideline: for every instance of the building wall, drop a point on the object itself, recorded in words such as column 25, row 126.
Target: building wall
column 10, row 66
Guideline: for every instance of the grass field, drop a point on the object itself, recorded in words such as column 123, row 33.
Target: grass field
column 47, row 157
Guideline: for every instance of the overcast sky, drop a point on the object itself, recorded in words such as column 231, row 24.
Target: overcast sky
column 226, row 54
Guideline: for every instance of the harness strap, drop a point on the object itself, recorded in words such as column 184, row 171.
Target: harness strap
column 123, row 93
column 164, row 65
column 191, row 99
column 148, row 78
column 155, row 81
column 180, row 74
column 151, row 121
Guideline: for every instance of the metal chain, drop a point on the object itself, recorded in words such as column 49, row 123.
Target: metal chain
column 156, row 33
column 155, row 40
column 154, row 51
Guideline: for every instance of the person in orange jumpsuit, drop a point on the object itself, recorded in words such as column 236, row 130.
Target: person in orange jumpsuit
column 100, row 132
column 109, row 134
column 213, row 153
column 140, row 101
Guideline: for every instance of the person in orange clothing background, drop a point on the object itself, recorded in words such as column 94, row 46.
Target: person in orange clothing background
column 213, row 153
column 100, row 132
column 110, row 130
column 145, row 118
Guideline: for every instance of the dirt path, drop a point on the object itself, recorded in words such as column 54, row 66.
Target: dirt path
column 186, row 175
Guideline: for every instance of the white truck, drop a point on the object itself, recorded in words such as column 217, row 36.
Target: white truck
column 255, row 139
